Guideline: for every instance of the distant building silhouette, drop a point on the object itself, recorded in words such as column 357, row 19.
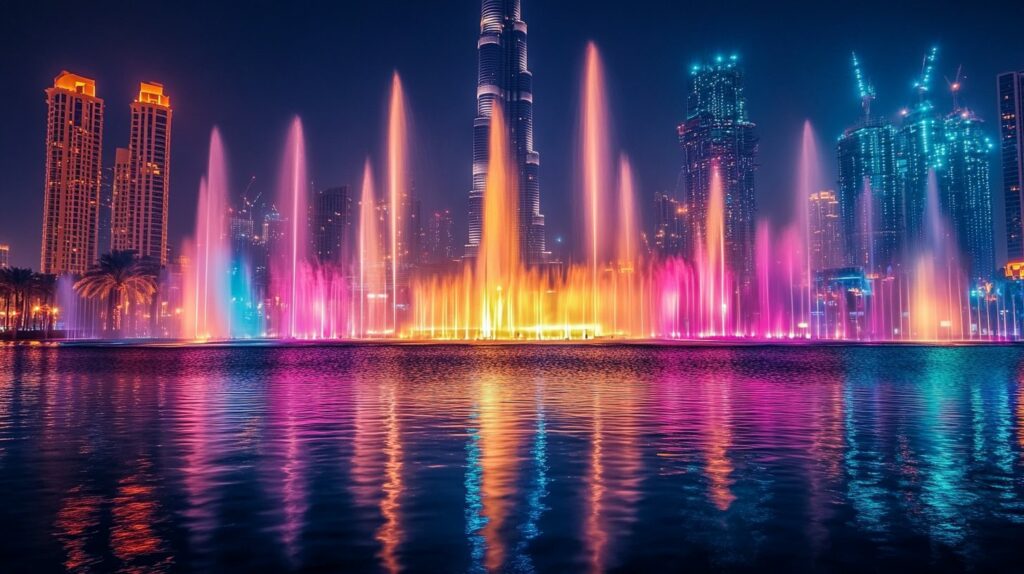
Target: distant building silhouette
column 441, row 237
column 825, row 231
column 671, row 226
column 331, row 222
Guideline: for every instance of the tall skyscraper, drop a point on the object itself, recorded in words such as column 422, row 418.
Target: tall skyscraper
column 331, row 223
column 825, row 230
column 5, row 255
column 920, row 147
column 140, row 208
column 717, row 132
column 503, row 79
column 870, row 204
column 1010, row 87
column 74, row 157
column 966, row 190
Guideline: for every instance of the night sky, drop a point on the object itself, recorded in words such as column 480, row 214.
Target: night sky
column 249, row 67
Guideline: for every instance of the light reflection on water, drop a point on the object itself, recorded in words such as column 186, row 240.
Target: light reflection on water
column 504, row 458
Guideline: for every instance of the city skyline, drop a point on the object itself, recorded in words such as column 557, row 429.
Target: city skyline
column 778, row 125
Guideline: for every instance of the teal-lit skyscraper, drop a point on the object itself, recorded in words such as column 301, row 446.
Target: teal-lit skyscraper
column 1011, row 152
column 966, row 189
column 718, row 132
column 920, row 147
column 870, row 203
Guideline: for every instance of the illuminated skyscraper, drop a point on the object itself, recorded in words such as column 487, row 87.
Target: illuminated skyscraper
column 717, row 132
column 331, row 223
column 141, row 189
column 1011, row 150
column 74, row 156
column 920, row 149
column 5, row 255
column 870, row 205
column 966, row 190
column 504, row 80
column 825, row 229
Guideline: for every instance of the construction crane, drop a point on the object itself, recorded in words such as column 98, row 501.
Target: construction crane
column 955, row 85
column 864, row 87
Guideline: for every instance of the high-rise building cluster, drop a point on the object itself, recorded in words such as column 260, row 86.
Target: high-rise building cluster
column 73, row 200
column 903, row 186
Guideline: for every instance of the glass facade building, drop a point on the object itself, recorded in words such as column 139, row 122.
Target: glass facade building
column 870, row 205
column 504, row 79
column 1011, row 152
column 718, row 134
column 966, row 190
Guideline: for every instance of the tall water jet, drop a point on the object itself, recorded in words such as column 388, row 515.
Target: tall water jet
column 712, row 261
column 498, row 257
column 373, row 311
column 628, row 236
column 936, row 305
column 207, row 297
column 627, row 319
column 596, row 148
column 397, row 161
column 808, row 182
column 288, row 257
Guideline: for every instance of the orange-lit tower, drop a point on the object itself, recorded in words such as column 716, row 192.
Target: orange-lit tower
column 140, row 205
column 71, row 197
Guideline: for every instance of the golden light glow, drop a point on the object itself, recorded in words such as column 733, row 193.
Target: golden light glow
column 153, row 93
column 75, row 83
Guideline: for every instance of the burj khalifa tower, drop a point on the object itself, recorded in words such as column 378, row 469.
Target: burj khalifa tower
column 503, row 78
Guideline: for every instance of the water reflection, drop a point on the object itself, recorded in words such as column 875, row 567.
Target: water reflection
column 525, row 459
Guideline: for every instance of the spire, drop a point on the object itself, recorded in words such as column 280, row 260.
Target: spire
column 924, row 81
column 865, row 89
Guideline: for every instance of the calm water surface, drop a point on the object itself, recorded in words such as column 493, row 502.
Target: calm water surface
column 520, row 459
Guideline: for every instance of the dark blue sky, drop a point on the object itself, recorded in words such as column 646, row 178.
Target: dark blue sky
column 248, row 67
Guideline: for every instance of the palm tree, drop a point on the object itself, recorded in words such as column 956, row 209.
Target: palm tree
column 44, row 287
column 119, row 276
column 7, row 293
column 19, row 283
